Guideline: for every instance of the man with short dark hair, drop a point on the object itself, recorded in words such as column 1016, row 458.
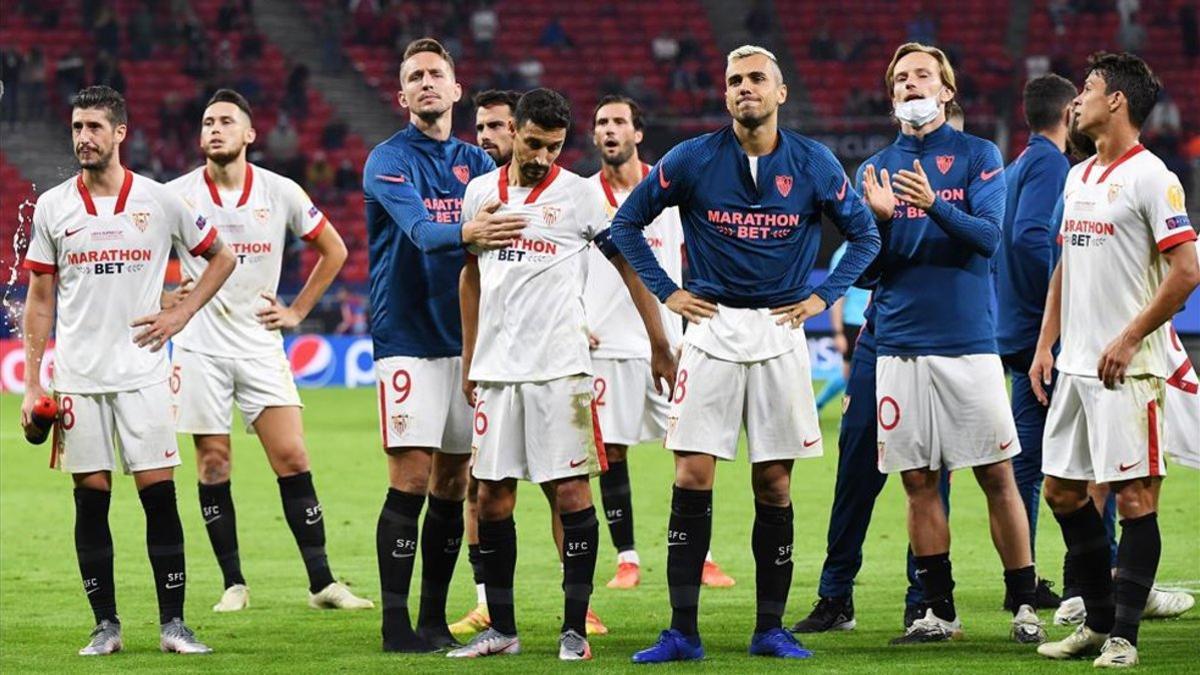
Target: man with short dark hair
column 100, row 245
column 528, row 369
column 493, row 111
column 413, row 185
column 232, row 352
column 1034, row 186
column 1127, row 266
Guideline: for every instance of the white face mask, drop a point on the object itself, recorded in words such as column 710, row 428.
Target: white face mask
column 919, row 112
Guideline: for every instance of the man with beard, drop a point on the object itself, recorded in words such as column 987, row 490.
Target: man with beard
column 750, row 198
column 99, row 250
column 630, row 410
column 494, row 132
column 529, row 370
column 493, row 128
column 232, row 353
column 1034, row 183
column 413, row 185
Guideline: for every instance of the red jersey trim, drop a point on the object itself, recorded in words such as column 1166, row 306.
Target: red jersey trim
column 316, row 231
column 200, row 248
column 608, row 191
column 1181, row 237
column 537, row 189
column 39, row 267
column 1152, row 424
column 90, row 206
column 247, row 183
column 1128, row 153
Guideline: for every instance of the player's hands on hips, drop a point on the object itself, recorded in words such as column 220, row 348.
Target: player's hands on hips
column 663, row 363
column 796, row 314
column 690, row 307
column 32, row 394
column 877, row 190
column 172, row 298
column 277, row 315
column 593, row 341
column 1115, row 359
column 158, row 328
column 489, row 230
column 1041, row 374
column 913, row 186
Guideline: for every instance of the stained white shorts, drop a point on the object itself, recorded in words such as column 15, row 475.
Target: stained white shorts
column 936, row 412
column 630, row 410
column 1105, row 435
column 207, row 387
column 536, row 431
column 93, row 428
column 422, row 405
column 773, row 399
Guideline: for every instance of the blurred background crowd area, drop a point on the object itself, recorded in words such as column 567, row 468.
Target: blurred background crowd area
column 322, row 78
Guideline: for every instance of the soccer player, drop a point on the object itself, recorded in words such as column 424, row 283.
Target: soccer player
column 525, row 349
column 750, row 196
column 1034, row 182
column 941, row 399
column 232, row 352
column 494, row 132
column 98, row 253
column 1128, row 264
column 413, row 185
column 630, row 409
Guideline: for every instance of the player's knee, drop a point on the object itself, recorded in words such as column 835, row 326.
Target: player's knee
column 1135, row 499
column 450, row 480
column 213, row 461
column 290, row 461
column 920, row 484
column 573, row 494
column 616, row 453
column 1062, row 499
column 774, row 491
column 996, row 479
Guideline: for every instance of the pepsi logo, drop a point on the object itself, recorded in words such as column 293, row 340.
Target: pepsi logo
column 311, row 358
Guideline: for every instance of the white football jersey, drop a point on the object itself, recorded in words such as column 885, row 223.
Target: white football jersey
column 110, row 255
column 1182, row 409
column 532, row 325
column 611, row 315
column 253, row 222
column 1117, row 221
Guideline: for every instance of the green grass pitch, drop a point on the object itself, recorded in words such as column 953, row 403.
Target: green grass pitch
column 44, row 616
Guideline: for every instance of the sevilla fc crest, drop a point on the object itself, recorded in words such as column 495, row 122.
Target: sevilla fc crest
column 944, row 162
column 141, row 219
column 261, row 215
column 1114, row 191
column 784, row 185
column 400, row 424
column 550, row 214
column 462, row 173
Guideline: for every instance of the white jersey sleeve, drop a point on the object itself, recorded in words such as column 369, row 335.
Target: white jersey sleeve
column 42, row 255
column 189, row 229
column 589, row 203
column 1160, row 200
column 304, row 219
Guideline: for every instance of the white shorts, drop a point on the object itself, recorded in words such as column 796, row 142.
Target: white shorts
column 1105, row 435
column 772, row 398
column 537, row 431
column 91, row 428
column 630, row 411
column 422, row 405
column 936, row 412
column 206, row 387
column 1183, row 422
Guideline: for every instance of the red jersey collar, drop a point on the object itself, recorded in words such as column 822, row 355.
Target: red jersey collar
column 608, row 191
column 122, row 196
column 1120, row 160
column 537, row 189
column 247, row 183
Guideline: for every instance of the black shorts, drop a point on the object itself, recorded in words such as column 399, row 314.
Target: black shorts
column 851, row 332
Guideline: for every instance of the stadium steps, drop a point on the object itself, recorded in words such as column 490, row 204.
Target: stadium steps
column 355, row 101
column 41, row 151
column 728, row 20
